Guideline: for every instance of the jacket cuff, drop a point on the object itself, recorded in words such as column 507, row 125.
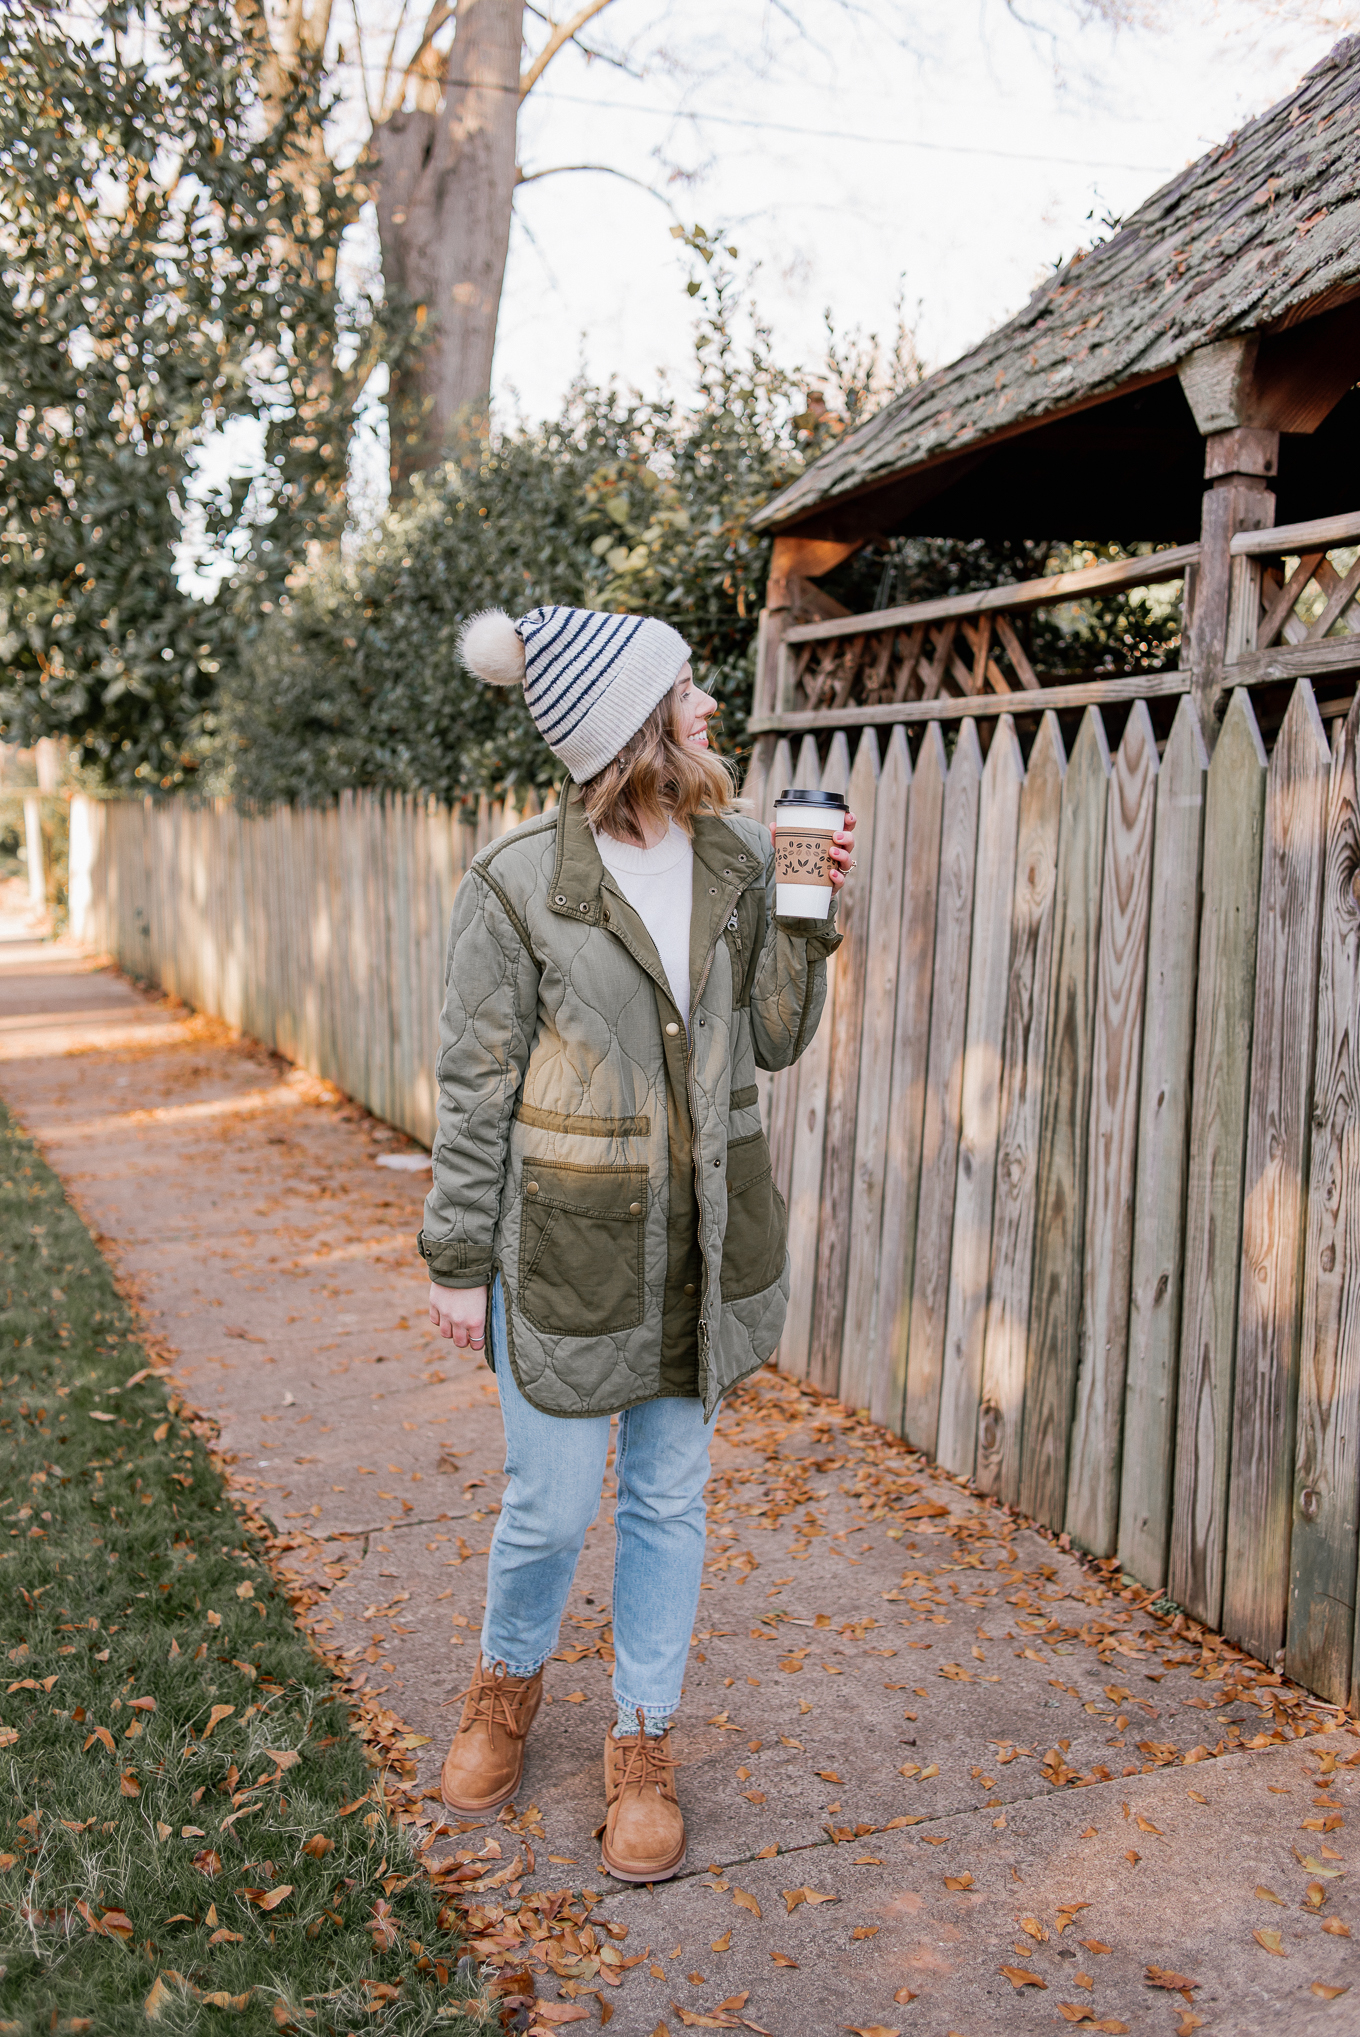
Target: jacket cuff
column 455, row 1263
column 823, row 936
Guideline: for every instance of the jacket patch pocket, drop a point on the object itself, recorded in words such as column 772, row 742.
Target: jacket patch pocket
column 580, row 1250
column 757, row 1221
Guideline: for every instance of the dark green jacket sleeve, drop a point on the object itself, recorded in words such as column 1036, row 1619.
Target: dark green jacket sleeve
column 486, row 1029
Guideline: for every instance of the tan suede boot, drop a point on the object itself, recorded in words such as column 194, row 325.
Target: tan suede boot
column 482, row 1768
column 644, row 1833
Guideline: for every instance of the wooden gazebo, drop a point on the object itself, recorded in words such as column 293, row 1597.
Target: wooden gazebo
column 1074, row 1163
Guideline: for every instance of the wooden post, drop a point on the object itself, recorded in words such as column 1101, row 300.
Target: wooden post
column 1240, row 460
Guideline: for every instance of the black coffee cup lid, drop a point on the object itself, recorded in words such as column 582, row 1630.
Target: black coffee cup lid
column 810, row 799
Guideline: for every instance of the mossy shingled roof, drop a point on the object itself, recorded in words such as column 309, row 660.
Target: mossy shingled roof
column 1261, row 232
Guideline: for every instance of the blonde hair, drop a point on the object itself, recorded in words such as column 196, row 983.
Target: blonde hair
column 658, row 776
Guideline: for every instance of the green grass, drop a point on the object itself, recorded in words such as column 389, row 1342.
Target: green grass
column 136, row 1604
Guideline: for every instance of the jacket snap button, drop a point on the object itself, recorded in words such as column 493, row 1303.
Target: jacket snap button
column 531, row 1188
column 717, row 1163
column 703, row 1022
column 672, row 1028
column 712, row 890
column 635, row 1209
column 689, row 1287
column 561, row 898
column 583, row 908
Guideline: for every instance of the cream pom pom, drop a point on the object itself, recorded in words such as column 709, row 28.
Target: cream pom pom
column 492, row 648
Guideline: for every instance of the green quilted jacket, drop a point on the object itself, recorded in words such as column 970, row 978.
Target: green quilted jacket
column 611, row 1170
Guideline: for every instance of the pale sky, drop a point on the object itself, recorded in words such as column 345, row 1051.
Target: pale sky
column 830, row 188
column 940, row 152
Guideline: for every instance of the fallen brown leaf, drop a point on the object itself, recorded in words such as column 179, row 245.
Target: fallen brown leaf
column 904, row 1994
column 268, row 1899
column 1270, row 1942
column 208, row 1862
column 870, row 2030
column 215, row 1718
column 1034, row 1929
column 782, row 1959
column 958, row 1881
column 746, row 1901
column 318, row 1846
column 723, row 1944
column 128, row 1785
column 1336, row 1927
column 1180, row 1983
column 1325, row 1992
column 1268, row 1895
column 1132, row 1857
column 158, row 2000
column 1020, row 1976
column 864, row 1931
column 1146, row 1825
column 1189, row 2023
column 1095, row 1945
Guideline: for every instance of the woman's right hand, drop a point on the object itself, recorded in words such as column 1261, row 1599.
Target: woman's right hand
column 460, row 1313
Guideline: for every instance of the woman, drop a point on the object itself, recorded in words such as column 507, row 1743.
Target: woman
column 616, row 974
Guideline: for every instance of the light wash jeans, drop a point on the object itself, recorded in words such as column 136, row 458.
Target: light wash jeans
column 556, row 1467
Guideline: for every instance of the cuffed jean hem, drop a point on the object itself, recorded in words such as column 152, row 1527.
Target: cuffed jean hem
column 655, row 1718
column 512, row 1668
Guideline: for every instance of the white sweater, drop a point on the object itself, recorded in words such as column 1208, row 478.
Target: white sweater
column 659, row 885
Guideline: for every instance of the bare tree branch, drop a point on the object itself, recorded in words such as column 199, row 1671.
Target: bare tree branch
column 598, row 170
column 559, row 37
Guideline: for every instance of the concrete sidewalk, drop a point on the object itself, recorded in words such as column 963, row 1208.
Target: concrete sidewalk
column 973, row 1789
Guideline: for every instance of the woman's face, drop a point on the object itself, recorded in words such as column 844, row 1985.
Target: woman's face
column 695, row 708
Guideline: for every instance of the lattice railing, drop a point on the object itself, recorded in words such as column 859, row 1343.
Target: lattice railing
column 1304, row 584
column 924, row 655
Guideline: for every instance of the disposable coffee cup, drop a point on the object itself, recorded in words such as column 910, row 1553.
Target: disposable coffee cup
column 804, row 823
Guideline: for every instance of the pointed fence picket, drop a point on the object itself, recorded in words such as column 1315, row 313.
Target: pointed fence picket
column 1265, row 1376
column 1073, row 1160
column 1112, row 1141
column 980, row 1101
column 1060, row 1187
column 1163, row 1136
column 1322, row 1647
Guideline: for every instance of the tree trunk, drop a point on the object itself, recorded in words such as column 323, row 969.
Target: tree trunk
column 443, row 178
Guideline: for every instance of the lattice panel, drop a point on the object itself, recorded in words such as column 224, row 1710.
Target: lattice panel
column 950, row 659
column 1316, row 599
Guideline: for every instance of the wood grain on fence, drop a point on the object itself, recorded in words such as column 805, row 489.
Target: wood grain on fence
column 875, row 1072
column 1060, row 1181
column 813, row 1077
column 1322, row 1647
column 910, row 1053
column 803, row 776
column 1112, row 1141
column 1163, row 1135
column 842, row 1103
column 1027, row 992
column 943, row 1089
column 1270, row 1288
column 980, row 1101
column 1233, row 814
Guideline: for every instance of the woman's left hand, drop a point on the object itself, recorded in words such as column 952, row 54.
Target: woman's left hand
column 842, row 851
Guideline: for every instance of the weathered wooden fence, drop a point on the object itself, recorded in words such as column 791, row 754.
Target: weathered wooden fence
column 1073, row 1162
column 320, row 931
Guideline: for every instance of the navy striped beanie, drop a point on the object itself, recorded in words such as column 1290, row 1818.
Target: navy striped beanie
column 590, row 680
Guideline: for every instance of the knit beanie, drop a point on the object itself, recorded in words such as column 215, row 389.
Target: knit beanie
column 590, row 680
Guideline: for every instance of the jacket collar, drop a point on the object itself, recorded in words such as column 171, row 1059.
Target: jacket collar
column 578, row 874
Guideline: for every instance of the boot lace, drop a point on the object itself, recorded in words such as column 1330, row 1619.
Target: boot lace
column 646, row 1762
column 492, row 1699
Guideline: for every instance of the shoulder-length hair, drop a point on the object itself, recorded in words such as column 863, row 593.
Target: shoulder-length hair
column 658, row 776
